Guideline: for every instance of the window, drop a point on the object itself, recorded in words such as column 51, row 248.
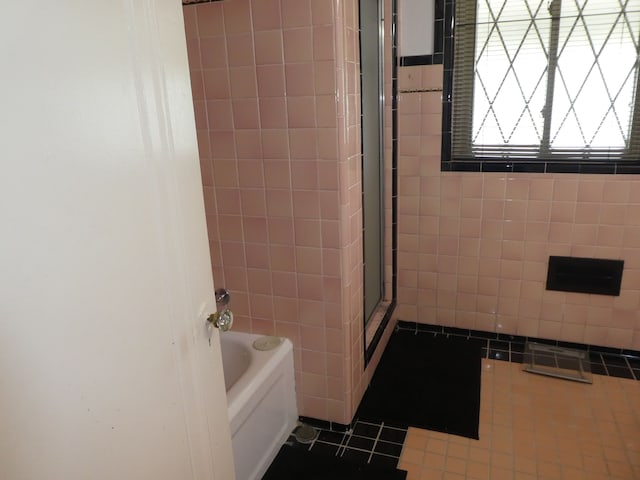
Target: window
column 546, row 81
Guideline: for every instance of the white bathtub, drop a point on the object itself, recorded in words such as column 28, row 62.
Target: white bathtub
column 261, row 400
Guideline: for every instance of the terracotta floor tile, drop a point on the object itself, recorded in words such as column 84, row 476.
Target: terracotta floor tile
column 537, row 427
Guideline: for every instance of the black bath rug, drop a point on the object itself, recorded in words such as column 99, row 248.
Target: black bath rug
column 427, row 381
column 297, row 463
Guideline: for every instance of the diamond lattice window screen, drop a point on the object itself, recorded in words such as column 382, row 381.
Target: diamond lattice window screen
column 535, row 79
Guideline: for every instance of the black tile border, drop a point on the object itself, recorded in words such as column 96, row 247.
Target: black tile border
column 614, row 362
column 186, row 3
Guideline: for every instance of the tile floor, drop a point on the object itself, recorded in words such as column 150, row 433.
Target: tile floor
column 537, row 427
column 531, row 426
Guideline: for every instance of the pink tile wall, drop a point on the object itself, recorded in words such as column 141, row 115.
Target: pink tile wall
column 276, row 97
column 473, row 248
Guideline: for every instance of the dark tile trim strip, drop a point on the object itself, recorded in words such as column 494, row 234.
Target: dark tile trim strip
column 186, row 3
column 326, row 425
column 615, row 362
column 423, row 327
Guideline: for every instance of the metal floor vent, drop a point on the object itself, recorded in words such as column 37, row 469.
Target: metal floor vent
column 305, row 433
column 559, row 362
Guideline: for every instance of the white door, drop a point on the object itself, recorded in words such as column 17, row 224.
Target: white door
column 106, row 370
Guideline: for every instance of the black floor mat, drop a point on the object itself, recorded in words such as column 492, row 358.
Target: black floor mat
column 296, row 463
column 427, row 381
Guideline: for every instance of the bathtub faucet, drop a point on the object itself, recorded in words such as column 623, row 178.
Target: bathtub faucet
column 222, row 320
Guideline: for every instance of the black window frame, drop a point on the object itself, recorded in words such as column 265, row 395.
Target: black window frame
column 446, row 8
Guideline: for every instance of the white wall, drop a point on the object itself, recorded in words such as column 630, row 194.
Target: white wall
column 415, row 27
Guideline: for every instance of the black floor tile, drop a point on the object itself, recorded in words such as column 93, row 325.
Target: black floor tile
column 354, row 455
column 329, row 449
column 383, row 461
column 394, row 435
column 388, row 448
column 331, row 437
column 361, row 443
column 364, row 429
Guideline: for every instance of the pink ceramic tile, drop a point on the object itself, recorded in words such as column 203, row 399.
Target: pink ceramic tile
column 323, row 41
column 200, row 114
column 219, row 114
column 225, row 173
column 308, row 260
column 541, row 189
column 613, row 214
column 248, row 145
column 245, row 113
column 266, row 14
column 304, row 175
column 253, row 202
column 255, row 229
column 210, row 20
column 222, row 144
column 259, row 278
column 306, row 204
column 616, row 191
column 243, row 82
column 250, row 174
column 610, row 235
column 275, row 144
column 296, row 13
column 327, row 144
column 591, row 191
column 282, row 258
column 268, row 47
column 281, row 231
column 190, row 22
column 302, row 142
column 271, row 81
column 322, row 12
column 326, row 113
column 237, row 17
column 299, row 79
column 273, row 113
column 314, row 362
column 307, row 233
column 216, row 83
column 313, row 338
column 331, row 262
column 563, row 211
column 284, row 285
column 233, row 254
column 193, row 54
column 325, row 78
column 298, row 45
column 277, row 174
column 230, row 228
column 211, row 53
column 240, row 50
column 228, row 201
column 310, row 286
column 279, row 203
column 301, row 112
column 197, row 85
